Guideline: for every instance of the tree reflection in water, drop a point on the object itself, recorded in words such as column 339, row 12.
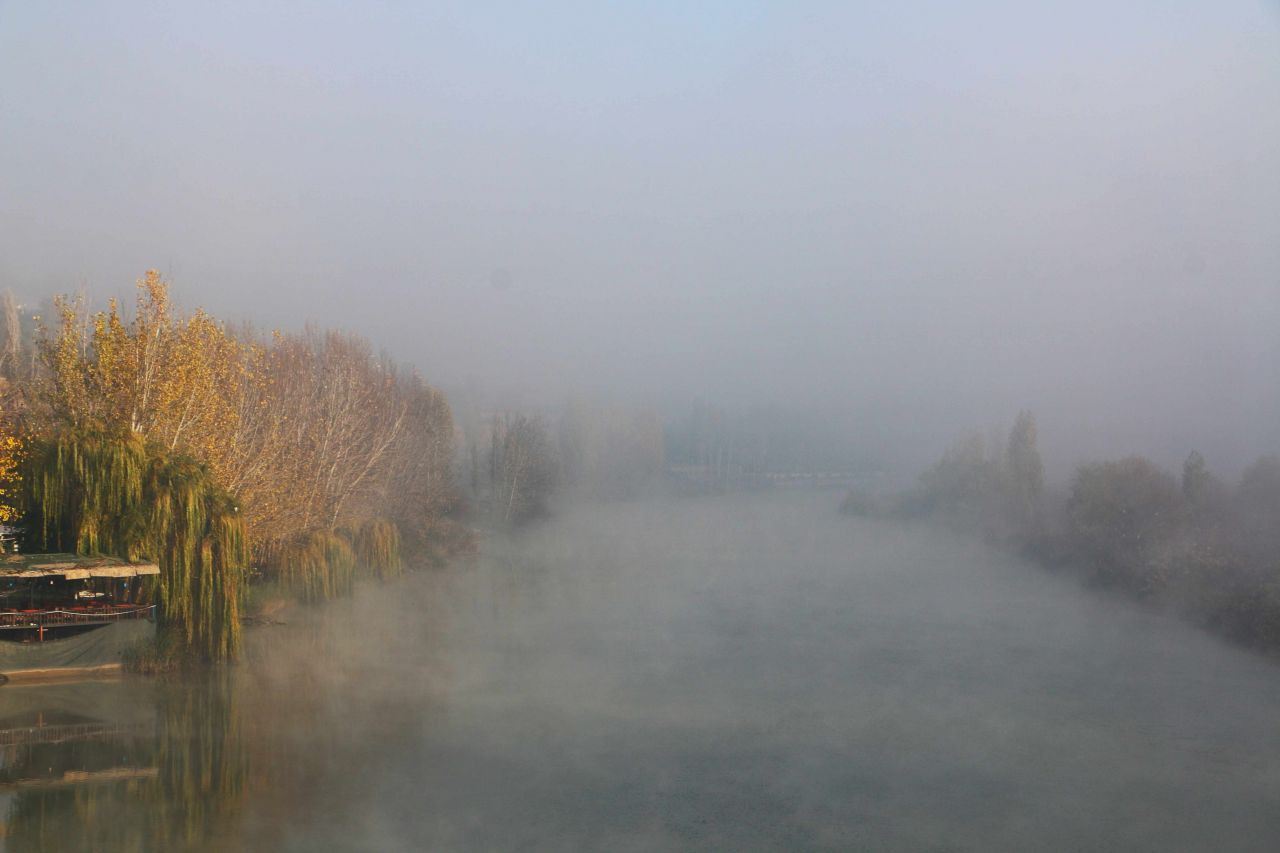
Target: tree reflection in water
column 253, row 756
column 127, row 765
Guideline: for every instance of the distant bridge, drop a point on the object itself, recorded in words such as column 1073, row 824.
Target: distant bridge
column 816, row 479
column 736, row 478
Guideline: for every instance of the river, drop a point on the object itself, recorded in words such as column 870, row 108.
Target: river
column 734, row 673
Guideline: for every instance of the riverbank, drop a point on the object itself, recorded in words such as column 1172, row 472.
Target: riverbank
column 739, row 672
column 1195, row 545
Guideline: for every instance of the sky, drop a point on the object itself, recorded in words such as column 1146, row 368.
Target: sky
column 900, row 219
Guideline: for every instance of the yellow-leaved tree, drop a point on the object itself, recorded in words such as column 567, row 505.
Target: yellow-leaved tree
column 318, row 438
column 11, row 454
column 178, row 381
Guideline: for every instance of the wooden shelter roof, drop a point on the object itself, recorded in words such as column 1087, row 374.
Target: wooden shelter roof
column 71, row 566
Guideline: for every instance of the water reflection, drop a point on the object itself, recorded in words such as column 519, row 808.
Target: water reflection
column 235, row 758
column 124, row 764
column 732, row 674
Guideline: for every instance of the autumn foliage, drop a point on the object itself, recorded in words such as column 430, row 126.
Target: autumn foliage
column 331, row 452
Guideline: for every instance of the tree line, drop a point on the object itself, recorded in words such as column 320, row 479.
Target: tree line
column 1208, row 549
column 518, row 463
column 213, row 449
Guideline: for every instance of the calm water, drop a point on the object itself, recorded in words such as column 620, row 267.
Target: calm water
column 733, row 673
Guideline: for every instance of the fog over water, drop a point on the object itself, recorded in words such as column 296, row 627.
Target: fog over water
column 750, row 672
column 648, row 250
column 759, row 673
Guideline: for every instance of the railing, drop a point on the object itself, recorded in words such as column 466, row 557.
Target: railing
column 26, row 735
column 87, row 616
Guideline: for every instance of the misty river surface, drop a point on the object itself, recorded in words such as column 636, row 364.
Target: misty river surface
column 731, row 673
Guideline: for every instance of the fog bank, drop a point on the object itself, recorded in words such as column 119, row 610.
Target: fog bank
column 901, row 221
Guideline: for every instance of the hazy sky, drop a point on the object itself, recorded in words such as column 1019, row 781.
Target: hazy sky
column 910, row 217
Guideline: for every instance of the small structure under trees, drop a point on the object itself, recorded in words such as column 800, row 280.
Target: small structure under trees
column 63, row 611
column 95, row 493
column 183, row 442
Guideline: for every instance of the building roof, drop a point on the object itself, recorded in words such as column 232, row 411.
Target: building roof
column 71, row 566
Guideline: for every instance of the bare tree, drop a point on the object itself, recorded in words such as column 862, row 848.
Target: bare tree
column 11, row 328
column 521, row 466
column 1023, row 468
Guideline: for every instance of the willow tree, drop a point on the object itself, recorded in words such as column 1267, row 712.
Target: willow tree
column 318, row 565
column 312, row 431
column 115, row 494
column 377, row 547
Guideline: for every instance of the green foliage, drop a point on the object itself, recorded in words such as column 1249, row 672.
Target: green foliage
column 377, row 546
column 203, row 763
column 318, row 565
column 1118, row 513
column 98, row 493
column 313, row 431
column 154, row 656
column 322, row 564
column 85, row 489
column 199, row 772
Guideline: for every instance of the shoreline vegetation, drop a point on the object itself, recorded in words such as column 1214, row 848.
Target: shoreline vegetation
column 261, row 469
column 258, row 470
column 289, row 463
column 1195, row 545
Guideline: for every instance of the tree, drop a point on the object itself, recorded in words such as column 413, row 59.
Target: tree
column 1023, row 466
column 420, row 486
column 608, row 450
column 1255, row 521
column 114, row 493
column 1119, row 512
column 1260, row 486
column 1195, row 477
column 965, row 478
column 12, row 452
column 1204, row 494
column 11, row 330
column 316, row 437
column 175, row 381
column 522, row 469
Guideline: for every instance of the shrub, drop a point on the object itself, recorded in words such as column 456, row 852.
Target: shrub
column 1118, row 513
